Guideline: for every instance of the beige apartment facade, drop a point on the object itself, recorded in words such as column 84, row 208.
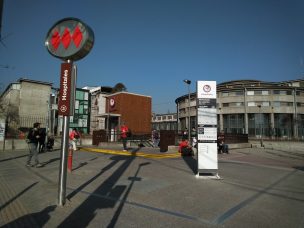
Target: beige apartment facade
column 257, row 108
column 28, row 101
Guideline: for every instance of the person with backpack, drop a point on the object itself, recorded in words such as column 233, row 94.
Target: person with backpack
column 33, row 140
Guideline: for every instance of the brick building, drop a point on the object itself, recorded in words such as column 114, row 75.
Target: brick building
column 133, row 109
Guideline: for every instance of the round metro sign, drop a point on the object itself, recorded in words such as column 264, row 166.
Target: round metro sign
column 69, row 39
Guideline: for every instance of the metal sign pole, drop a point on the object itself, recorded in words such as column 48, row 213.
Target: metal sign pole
column 71, row 87
column 63, row 161
column 80, row 44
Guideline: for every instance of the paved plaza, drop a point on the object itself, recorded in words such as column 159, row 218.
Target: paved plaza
column 258, row 187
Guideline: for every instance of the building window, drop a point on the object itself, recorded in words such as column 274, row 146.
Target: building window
column 234, row 93
column 239, row 93
column 159, row 118
column 86, row 96
column 251, row 104
column 225, row 94
column 79, row 95
column 283, row 125
column 16, row 86
column 265, row 104
column 282, row 92
column 265, row 92
column 250, row 93
column 76, row 104
column 300, row 104
column 233, row 104
column 282, row 104
column 239, row 104
column 169, row 117
column 164, row 117
column 234, row 123
column 259, row 124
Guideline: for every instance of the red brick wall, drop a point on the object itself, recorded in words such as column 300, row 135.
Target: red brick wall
column 135, row 111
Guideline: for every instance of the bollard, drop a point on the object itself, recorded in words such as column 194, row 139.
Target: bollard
column 70, row 160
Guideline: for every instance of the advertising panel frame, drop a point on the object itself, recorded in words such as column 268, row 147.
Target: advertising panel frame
column 206, row 113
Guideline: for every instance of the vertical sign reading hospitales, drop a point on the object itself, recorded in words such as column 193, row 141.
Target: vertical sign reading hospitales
column 65, row 89
column 207, row 127
column 69, row 40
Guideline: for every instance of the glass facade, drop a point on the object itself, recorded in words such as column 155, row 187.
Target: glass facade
column 234, row 123
column 283, row 126
column 300, row 126
column 81, row 118
column 259, row 124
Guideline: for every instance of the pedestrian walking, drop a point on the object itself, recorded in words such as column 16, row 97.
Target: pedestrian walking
column 123, row 135
column 193, row 137
column 185, row 133
column 32, row 140
column 41, row 140
column 155, row 138
column 74, row 137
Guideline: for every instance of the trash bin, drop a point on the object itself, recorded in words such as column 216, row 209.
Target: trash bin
column 167, row 138
column 99, row 136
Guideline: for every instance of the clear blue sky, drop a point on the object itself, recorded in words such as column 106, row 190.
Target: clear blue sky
column 152, row 45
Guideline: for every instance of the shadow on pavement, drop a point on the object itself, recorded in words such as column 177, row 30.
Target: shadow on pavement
column 124, row 198
column 8, row 159
column 80, row 165
column 105, row 196
column 38, row 219
column 18, row 195
column 191, row 162
column 50, row 161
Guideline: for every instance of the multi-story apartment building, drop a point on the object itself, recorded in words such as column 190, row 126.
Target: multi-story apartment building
column 256, row 108
column 30, row 100
column 164, row 121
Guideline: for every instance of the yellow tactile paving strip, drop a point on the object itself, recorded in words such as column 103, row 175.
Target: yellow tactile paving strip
column 130, row 153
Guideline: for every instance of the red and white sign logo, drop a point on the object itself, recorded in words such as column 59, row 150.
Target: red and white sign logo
column 69, row 39
column 66, row 38
column 112, row 102
column 207, row 88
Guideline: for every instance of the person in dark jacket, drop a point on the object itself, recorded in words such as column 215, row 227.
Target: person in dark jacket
column 33, row 139
column 41, row 140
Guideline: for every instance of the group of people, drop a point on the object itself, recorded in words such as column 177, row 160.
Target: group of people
column 36, row 143
column 222, row 147
column 36, row 139
column 186, row 147
column 33, row 138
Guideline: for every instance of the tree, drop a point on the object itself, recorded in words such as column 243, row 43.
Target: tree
column 9, row 113
column 119, row 87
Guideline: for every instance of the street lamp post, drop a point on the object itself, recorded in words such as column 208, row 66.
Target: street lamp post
column 108, row 118
column 261, row 135
column 188, row 82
